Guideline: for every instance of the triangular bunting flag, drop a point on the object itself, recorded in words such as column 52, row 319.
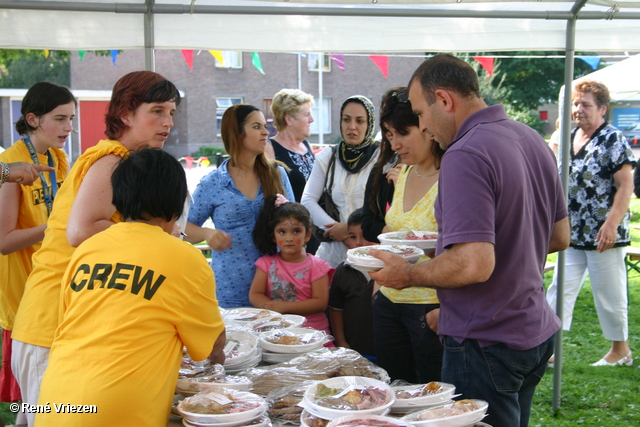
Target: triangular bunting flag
column 382, row 61
column 114, row 56
column 81, row 54
column 593, row 61
column 339, row 61
column 486, row 63
column 188, row 57
column 218, row 55
column 255, row 59
column 46, row 53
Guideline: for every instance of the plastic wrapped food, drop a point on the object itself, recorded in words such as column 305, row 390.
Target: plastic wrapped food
column 222, row 405
column 368, row 421
column 456, row 414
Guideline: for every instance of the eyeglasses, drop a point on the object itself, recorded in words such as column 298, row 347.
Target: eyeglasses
column 402, row 96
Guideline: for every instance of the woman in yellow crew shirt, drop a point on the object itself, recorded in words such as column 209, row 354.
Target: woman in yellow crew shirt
column 118, row 347
column 140, row 114
column 46, row 122
column 406, row 345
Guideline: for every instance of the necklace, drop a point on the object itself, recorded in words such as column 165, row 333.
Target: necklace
column 425, row 175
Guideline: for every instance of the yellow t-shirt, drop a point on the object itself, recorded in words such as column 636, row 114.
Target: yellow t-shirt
column 32, row 212
column 37, row 316
column 132, row 296
column 420, row 217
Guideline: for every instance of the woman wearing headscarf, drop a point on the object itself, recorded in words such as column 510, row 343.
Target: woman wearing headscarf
column 351, row 161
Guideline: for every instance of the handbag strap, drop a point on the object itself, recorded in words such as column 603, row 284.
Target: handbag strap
column 330, row 171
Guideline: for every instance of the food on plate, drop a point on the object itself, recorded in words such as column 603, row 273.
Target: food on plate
column 411, row 236
column 456, row 408
column 271, row 323
column 287, row 337
column 217, row 402
column 311, row 420
column 248, row 315
column 425, row 390
column 394, row 249
column 285, row 403
column 368, row 422
column 285, row 340
column 351, row 398
column 199, row 371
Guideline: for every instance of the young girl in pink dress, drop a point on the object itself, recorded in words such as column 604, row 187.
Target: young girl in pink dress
column 288, row 279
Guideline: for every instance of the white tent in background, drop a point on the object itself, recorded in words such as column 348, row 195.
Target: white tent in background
column 622, row 79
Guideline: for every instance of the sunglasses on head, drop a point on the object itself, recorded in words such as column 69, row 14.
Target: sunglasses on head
column 402, row 96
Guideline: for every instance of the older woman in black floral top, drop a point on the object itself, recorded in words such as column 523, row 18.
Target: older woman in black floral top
column 600, row 186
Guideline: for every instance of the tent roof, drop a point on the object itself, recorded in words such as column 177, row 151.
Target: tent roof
column 621, row 79
column 374, row 26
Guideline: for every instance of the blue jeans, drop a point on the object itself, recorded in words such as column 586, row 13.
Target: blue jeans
column 503, row 377
column 405, row 345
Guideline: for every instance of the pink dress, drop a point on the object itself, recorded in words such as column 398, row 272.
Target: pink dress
column 291, row 281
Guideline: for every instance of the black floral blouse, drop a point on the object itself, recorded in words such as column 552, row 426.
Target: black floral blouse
column 592, row 188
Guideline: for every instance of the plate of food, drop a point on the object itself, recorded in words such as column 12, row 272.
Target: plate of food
column 360, row 257
column 241, row 346
column 281, row 321
column 368, row 420
column 412, row 397
column 292, row 340
column 425, row 240
column 242, row 315
column 461, row 413
column 341, row 396
column 222, row 407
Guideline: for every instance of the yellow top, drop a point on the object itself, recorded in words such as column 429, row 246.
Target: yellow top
column 37, row 316
column 420, row 217
column 15, row 267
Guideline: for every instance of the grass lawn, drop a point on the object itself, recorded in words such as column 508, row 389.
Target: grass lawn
column 603, row 396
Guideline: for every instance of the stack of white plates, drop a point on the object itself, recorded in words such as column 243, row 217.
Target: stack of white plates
column 239, row 408
column 241, row 351
column 344, row 392
column 281, row 345
column 411, row 398
column 462, row 413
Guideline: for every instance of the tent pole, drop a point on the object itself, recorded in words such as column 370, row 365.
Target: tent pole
column 320, row 95
column 564, row 178
column 149, row 40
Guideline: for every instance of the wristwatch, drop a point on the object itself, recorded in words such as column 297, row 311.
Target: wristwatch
column 5, row 173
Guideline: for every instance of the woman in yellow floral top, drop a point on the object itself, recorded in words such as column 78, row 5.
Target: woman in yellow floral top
column 405, row 321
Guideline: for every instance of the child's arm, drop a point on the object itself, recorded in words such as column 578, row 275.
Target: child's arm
column 337, row 327
column 316, row 304
column 258, row 292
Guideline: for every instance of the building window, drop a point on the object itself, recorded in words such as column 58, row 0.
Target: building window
column 222, row 103
column 231, row 59
column 326, row 116
column 314, row 62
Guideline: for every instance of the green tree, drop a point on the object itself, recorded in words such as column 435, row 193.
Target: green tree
column 24, row 71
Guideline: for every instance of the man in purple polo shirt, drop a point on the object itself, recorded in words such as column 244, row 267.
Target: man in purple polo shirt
column 500, row 211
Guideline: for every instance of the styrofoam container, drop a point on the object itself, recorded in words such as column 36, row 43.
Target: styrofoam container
column 346, row 384
column 461, row 420
column 241, row 417
column 367, row 420
column 360, row 258
column 400, row 238
column 312, row 339
column 411, row 404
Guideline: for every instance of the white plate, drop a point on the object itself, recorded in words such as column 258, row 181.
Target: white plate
column 262, row 421
column 250, row 363
column 243, row 315
column 240, row 347
column 461, row 420
column 312, row 339
column 345, row 384
column 367, row 420
column 280, row 321
column 400, row 238
column 360, row 258
column 405, row 405
column 228, row 419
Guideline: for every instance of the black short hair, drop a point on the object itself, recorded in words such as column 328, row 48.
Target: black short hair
column 356, row 217
column 445, row 71
column 149, row 184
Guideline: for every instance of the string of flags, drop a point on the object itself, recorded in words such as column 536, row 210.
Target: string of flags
column 381, row 61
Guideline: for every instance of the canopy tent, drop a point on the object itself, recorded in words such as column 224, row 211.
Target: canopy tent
column 621, row 79
column 365, row 26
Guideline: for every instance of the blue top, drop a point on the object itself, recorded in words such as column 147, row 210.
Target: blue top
column 217, row 197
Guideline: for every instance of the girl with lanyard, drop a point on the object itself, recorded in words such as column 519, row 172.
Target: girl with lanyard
column 354, row 158
column 46, row 122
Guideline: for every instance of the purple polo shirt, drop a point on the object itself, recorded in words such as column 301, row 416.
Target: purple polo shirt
column 499, row 184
